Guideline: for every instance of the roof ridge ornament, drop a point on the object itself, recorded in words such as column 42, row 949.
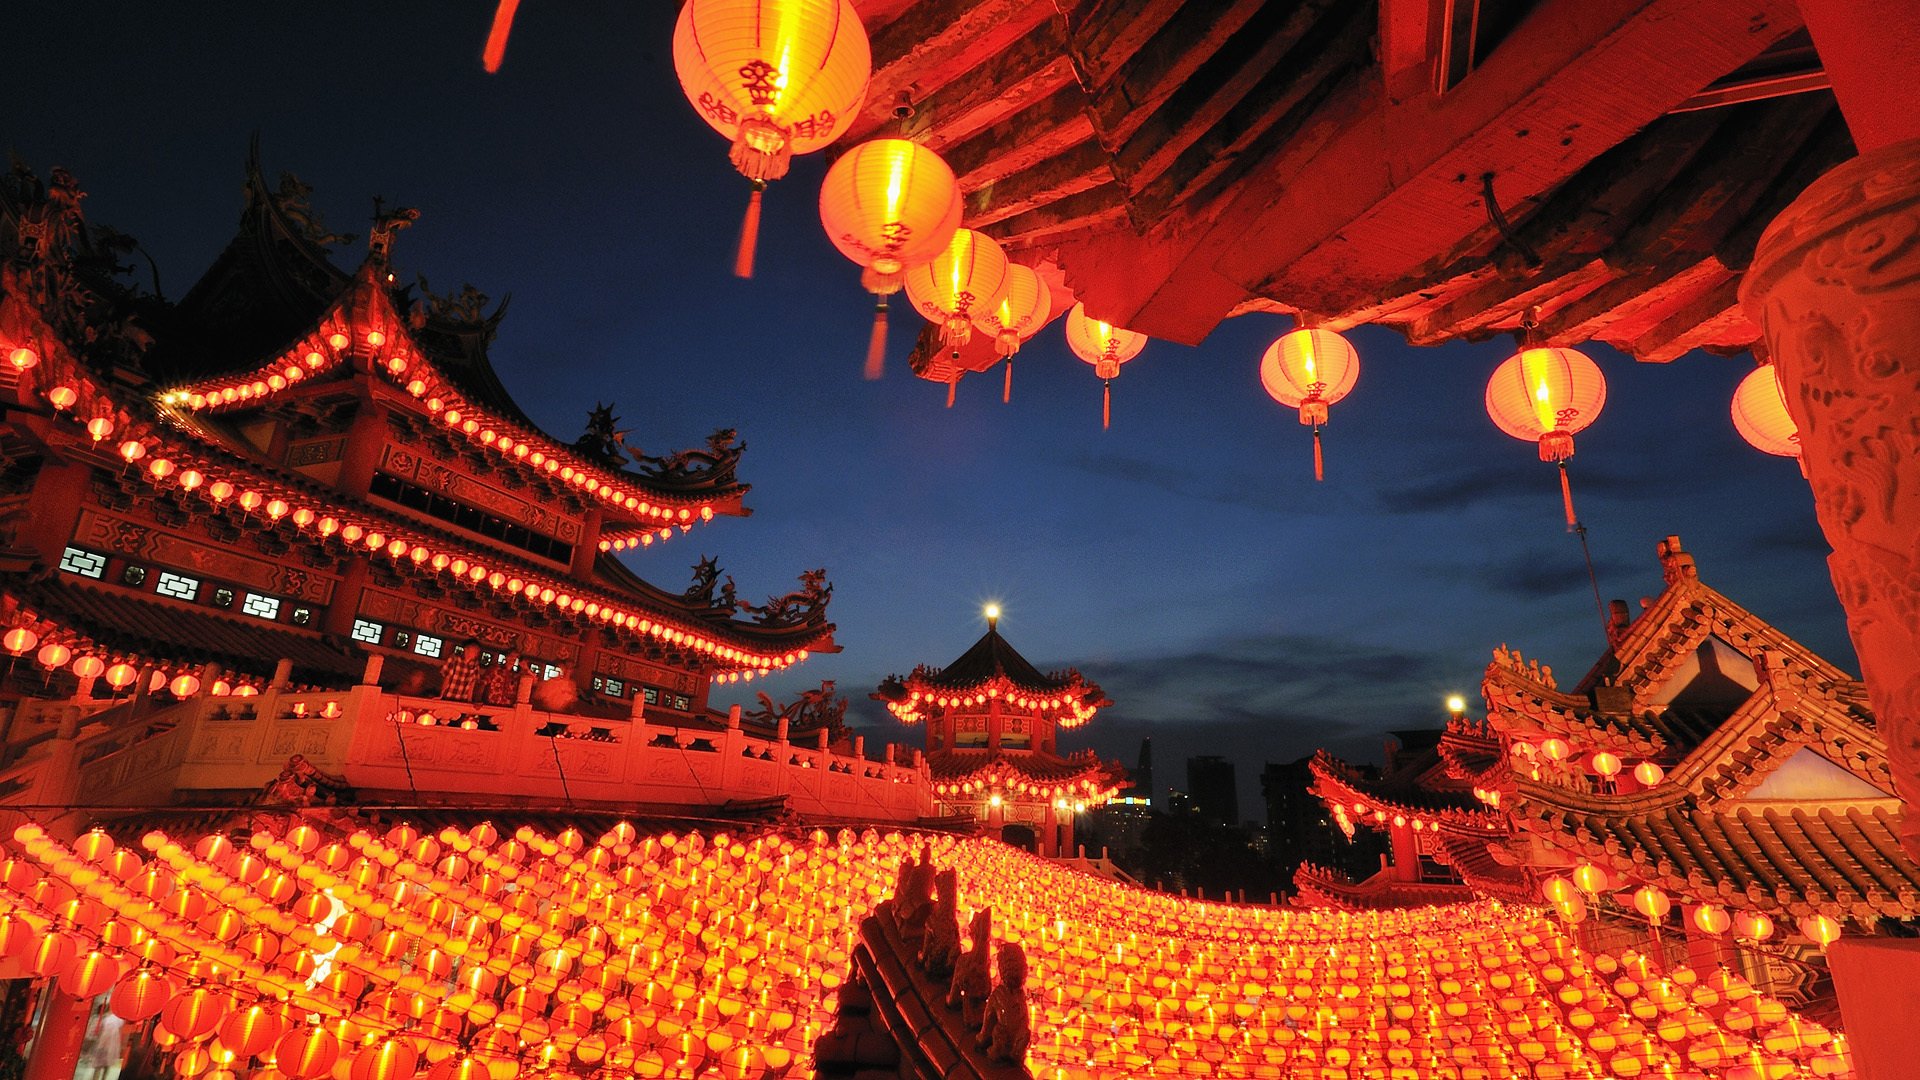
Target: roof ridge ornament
column 386, row 223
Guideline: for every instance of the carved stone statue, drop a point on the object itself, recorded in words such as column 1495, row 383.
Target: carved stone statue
column 469, row 305
column 301, row 784
column 814, row 710
column 913, row 898
column 972, row 977
column 1005, row 1026
column 807, row 606
column 941, row 951
column 293, row 198
column 387, row 223
column 602, row 439
column 712, row 467
column 706, row 574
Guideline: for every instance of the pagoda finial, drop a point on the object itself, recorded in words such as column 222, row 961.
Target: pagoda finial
column 992, row 612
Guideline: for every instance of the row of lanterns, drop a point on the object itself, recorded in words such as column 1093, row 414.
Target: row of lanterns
column 53, row 654
column 1569, row 896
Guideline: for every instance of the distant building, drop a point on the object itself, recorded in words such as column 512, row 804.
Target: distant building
column 1210, row 785
column 1121, row 824
column 1300, row 828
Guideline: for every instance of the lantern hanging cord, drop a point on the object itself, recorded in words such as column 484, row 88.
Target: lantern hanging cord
column 1593, row 579
column 1499, row 220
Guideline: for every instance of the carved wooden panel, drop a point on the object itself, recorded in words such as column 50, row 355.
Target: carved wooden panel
column 456, row 485
column 146, row 542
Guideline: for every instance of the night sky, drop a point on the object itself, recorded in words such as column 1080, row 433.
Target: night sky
column 1185, row 560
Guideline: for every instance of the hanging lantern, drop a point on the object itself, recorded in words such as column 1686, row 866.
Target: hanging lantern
column 889, row 204
column 1753, row 925
column 1018, row 316
column 388, row 1059
column 1711, row 919
column 90, row 975
column 140, row 995
column 1652, row 903
column 1106, row 347
column 1607, row 764
column 969, row 276
column 1309, row 370
column 306, row 1053
column 89, row 667
column 19, row 640
column 184, row 686
column 778, row 77
column 23, row 358
column 1648, row 773
column 1591, row 879
column 121, row 675
column 1760, row 413
column 53, row 655
column 1823, row 930
column 1546, row 396
column 251, row 1030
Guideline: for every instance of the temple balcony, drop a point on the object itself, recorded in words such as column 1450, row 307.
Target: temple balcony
column 368, row 746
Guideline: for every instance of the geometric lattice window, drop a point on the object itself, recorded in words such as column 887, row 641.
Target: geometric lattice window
column 261, row 607
column 552, row 672
column 368, row 631
column 428, row 645
column 616, row 688
column 85, row 563
column 178, row 586
column 651, row 696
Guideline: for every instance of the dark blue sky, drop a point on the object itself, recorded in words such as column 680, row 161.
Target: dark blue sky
column 1185, row 559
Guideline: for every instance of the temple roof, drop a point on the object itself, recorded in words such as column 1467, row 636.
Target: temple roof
column 992, row 669
column 1358, row 162
column 1319, row 886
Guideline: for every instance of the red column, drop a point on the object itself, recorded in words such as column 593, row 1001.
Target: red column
column 56, row 1050
column 993, row 725
column 366, row 440
column 588, row 547
column 1871, row 52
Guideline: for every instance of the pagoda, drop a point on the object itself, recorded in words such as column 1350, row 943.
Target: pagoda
column 1710, row 781
column 993, row 723
column 301, row 479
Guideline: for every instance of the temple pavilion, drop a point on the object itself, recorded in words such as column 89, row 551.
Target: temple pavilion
column 244, row 534
column 1709, row 779
column 993, row 722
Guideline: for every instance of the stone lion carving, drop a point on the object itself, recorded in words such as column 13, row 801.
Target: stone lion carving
column 941, row 950
column 972, row 979
column 1005, row 1027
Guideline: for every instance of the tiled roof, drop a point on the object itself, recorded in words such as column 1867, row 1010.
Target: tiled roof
column 959, row 764
column 1319, row 886
column 1789, row 861
column 992, row 656
column 164, row 630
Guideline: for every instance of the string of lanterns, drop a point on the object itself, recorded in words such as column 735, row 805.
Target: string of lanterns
column 56, row 647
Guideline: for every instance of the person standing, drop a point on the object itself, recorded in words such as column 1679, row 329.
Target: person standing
column 503, row 679
column 460, row 675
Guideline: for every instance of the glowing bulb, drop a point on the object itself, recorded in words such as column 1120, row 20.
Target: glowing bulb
column 1456, row 704
column 992, row 612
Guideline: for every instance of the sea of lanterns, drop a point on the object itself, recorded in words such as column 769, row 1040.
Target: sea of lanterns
column 466, row 954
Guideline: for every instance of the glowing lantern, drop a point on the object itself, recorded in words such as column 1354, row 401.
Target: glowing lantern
column 90, row 975
column 388, row 1059
column 1018, row 316
column 1760, row 413
column 133, row 450
column 1591, row 879
column 888, row 204
column 1556, row 749
column 1606, row 764
column 251, row 1030
column 1652, row 903
column 19, row 639
column 1547, row 395
column 778, row 77
column 53, row 655
column 1711, row 919
column 89, row 667
column 1310, row 370
column 184, row 686
column 1822, row 929
column 99, row 427
column 1648, row 773
column 306, row 1053
column 1557, row 889
column 1106, row 347
column 969, row 275
column 23, row 358
column 195, row 1013
column 1753, row 925
column 140, row 995
column 121, row 675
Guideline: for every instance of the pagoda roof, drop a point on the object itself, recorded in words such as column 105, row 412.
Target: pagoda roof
column 1420, row 790
column 1082, row 775
column 1320, row 886
column 992, row 669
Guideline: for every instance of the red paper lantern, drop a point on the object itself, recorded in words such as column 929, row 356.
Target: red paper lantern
column 250, row 1031
column 140, row 994
column 968, row 276
column 1546, row 396
column 388, row 1059
column 1106, row 347
column 1310, row 369
column 90, row 975
column 778, row 77
column 306, row 1053
column 53, row 655
column 1760, row 413
column 19, row 640
column 195, row 1012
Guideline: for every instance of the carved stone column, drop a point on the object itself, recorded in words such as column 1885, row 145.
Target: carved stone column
column 1835, row 287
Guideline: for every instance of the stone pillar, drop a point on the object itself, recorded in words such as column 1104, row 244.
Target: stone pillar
column 1835, row 288
column 56, row 1049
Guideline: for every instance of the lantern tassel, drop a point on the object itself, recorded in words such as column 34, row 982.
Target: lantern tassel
column 496, row 49
column 1106, row 407
column 1566, row 497
column 877, row 342
column 952, row 385
column 1006, row 388
column 1319, row 462
column 749, row 233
